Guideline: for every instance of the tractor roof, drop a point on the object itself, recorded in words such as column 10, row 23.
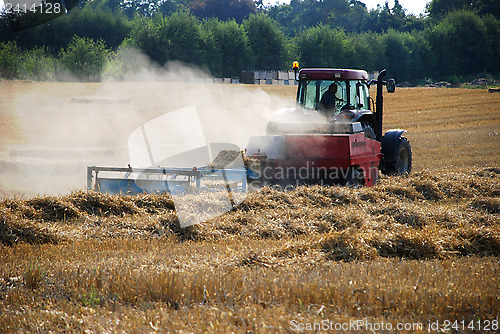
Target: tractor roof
column 332, row 74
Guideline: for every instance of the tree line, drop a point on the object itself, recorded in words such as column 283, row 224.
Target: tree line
column 455, row 41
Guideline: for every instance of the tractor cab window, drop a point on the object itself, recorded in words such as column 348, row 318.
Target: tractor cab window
column 359, row 95
column 311, row 92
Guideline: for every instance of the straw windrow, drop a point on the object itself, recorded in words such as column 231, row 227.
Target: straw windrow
column 419, row 217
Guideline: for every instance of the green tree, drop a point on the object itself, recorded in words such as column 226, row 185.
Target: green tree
column 270, row 47
column 438, row 9
column 355, row 19
column 178, row 37
column 384, row 18
column 111, row 27
column 183, row 32
column 84, row 58
column 9, row 54
column 492, row 25
column 396, row 54
column 145, row 37
column 420, row 56
column 223, row 9
column 459, row 44
column 285, row 15
column 37, row 64
column 350, row 15
column 233, row 48
column 113, row 5
column 144, row 8
column 367, row 53
column 168, row 7
column 323, row 46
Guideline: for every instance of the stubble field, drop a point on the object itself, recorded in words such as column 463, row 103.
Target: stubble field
column 420, row 250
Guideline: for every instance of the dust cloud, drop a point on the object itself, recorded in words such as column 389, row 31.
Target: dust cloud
column 51, row 131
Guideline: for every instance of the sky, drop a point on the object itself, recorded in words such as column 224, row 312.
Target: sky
column 412, row 6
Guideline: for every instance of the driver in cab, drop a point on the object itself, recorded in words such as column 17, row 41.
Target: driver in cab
column 328, row 100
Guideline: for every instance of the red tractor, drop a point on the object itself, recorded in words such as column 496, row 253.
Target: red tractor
column 333, row 136
column 337, row 139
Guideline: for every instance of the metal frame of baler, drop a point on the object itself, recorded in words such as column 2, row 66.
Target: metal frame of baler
column 193, row 176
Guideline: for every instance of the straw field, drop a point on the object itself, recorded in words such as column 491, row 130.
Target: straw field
column 421, row 250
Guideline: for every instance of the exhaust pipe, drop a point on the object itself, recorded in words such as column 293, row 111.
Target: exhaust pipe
column 379, row 105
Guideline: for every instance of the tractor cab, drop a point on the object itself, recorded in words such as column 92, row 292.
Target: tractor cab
column 339, row 95
column 348, row 87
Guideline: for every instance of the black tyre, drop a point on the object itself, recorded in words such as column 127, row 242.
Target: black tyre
column 354, row 178
column 402, row 163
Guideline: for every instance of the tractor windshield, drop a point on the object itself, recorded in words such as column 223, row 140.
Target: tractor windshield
column 311, row 92
column 351, row 94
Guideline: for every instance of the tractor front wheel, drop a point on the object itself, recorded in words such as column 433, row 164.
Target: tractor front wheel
column 402, row 164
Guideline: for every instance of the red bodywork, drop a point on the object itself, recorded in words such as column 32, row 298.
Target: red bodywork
column 323, row 158
column 326, row 157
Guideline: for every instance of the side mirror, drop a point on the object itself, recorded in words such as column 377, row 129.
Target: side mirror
column 391, row 86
